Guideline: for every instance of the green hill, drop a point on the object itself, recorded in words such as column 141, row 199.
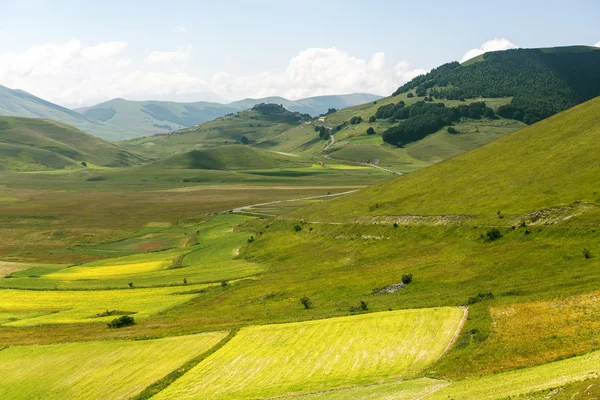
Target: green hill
column 131, row 119
column 256, row 126
column 137, row 118
column 550, row 164
column 37, row 144
column 234, row 157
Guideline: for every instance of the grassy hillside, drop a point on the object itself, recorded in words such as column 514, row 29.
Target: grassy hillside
column 234, row 157
column 551, row 163
column 37, row 144
column 131, row 119
column 257, row 126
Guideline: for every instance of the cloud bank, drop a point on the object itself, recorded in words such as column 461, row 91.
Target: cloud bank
column 75, row 74
column 490, row 45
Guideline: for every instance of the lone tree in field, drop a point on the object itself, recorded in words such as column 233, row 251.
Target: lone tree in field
column 370, row 131
column 407, row 278
column 244, row 140
column 306, row 302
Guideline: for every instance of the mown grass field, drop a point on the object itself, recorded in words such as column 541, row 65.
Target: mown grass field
column 271, row 360
column 68, row 307
column 115, row 369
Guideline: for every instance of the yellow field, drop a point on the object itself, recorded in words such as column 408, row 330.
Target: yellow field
column 108, row 271
column 114, row 369
column 63, row 307
column 263, row 361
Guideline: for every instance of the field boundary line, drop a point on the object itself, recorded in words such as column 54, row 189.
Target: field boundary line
column 456, row 334
column 160, row 385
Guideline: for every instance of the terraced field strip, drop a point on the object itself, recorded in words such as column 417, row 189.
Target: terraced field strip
column 113, row 369
column 522, row 381
column 64, row 307
column 403, row 390
column 304, row 357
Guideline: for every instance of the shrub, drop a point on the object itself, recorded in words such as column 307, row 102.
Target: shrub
column 480, row 297
column 83, row 164
column 372, row 119
column 130, row 285
column 306, row 302
column 121, row 322
column 244, row 140
column 224, row 283
column 370, row 131
column 452, row 130
column 360, row 308
column 251, row 239
column 297, row 228
column 587, row 253
column 395, row 224
column 355, row 120
column 493, row 234
column 407, row 278
column 410, row 95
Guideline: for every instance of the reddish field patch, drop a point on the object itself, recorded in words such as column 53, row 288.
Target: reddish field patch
column 150, row 246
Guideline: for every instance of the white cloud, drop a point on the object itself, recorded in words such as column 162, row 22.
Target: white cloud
column 179, row 56
column 319, row 71
column 490, row 45
column 597, row 44
column 74, row 74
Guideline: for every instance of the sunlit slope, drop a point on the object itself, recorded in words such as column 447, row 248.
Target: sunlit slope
column 232, row 157
column 30, row 144
column 114, row 369
column 552, row 163
column 273, row 360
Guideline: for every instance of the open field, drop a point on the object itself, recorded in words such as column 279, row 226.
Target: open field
column 207, row 252
column 68, row 307
column 270, row 360
column 114, row 369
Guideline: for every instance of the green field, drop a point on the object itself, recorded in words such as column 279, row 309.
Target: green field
column 265, row 361
column 37, row 307
column 115, row 369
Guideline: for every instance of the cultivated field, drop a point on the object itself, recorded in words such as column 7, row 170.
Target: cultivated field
column 114, row 369
column 263, row 361
column 68, row 307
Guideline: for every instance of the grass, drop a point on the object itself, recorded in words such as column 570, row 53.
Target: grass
column 68, row 307
column 403, row 390
column 115, row 369
column 523, row 381
column 516, row 174
column 270, row 360
column 206, row 252
column 29, row 144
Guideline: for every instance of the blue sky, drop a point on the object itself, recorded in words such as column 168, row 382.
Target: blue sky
column 78, row 53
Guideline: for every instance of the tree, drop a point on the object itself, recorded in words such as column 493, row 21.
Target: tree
column 297, row 228
column 306, row 302
column 410, row 95
column 244, row 140
column 370, row 131
column 452, row 130
column 493, row 234
column 407, row 278
column 372, row 119
column 355, row 120
column 84, row 164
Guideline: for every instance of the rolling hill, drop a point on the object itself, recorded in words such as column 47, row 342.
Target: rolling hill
column 550, row 164
column 39, row 144
column 234, row 157
column 142, row 118
column 256, row 127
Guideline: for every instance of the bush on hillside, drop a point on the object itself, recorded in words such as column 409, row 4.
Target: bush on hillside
column 372, row 119
column 410, row 95
column 355, row 120
column 297, row 228
column 370, row 131
column 452, row 130
column 493, row 234
column 480, row 297
column 121, row 322
column 306, row 302
column 407, row 278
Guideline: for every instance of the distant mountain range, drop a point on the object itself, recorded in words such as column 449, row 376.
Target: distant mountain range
column 121, row 119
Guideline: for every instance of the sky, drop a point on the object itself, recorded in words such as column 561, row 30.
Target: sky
column 78, row 53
